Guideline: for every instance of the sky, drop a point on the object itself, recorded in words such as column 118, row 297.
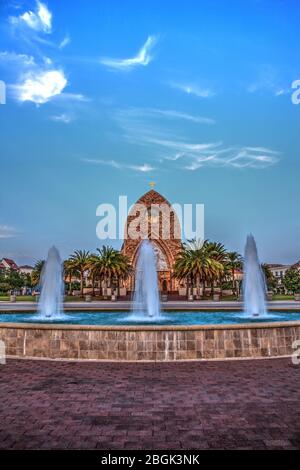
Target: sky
column 104, row 97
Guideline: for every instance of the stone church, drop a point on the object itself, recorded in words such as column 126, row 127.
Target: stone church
column 159, row 214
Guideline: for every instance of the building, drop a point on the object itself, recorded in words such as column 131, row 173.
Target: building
column 154, row 216
column 7, row 263
column 279, row 271
column 26, row 269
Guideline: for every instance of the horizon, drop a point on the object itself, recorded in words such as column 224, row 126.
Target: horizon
column 102, row 99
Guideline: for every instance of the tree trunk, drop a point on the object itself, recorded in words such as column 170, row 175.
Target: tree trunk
column 70, row 284
column 198, row 286
column 93, row 286
column 81, row 284
column 212, row 288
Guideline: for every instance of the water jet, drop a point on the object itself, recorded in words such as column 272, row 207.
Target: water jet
column 254, row 285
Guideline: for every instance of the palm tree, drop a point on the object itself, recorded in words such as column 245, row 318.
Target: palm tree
column 111, row 264
column 37, row 271
column 94, row 267
column 216, row 251
column 80, row 260
column 234, row 261
column 197, row 262
column 70, row 271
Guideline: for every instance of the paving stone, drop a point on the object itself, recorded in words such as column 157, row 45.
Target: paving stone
column 194, row 405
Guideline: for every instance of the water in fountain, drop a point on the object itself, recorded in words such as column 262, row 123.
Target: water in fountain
column 254, row 286
column 50, row 301
column 146, row 303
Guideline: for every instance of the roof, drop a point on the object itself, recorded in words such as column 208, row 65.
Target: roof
column 296, row 265
column 26, row 266
column 152, row 197
column 10, row 262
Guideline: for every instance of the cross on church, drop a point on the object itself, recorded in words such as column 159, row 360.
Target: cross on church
column 152, row 184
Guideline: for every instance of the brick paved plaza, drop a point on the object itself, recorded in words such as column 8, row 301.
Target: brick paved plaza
column 196, row 405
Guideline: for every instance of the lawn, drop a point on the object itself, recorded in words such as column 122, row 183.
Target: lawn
column 22, row 298
column 283, row 297
column 71, row 298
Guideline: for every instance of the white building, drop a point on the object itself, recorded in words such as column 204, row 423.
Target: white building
column 26, row 269
column 278, row 271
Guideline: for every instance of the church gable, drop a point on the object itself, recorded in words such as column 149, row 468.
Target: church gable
column 166, row 238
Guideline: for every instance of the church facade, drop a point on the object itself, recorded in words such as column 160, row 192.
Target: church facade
column 154, row 218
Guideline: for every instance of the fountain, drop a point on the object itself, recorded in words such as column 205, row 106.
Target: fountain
column 146, row 296
column 52, row 286
column 254, row 286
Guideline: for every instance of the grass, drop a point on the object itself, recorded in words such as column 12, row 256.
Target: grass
column 71, row 298
column 32, row 298
column 282, row 297
column 229, row 297
column 22, row 298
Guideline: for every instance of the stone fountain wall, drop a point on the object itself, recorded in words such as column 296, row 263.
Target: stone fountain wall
column 149, row 343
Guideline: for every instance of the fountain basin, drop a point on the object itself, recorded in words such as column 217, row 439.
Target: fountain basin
column 169, row 342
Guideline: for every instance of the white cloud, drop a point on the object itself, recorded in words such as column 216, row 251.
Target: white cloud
column 185, row 116
column 36, row 77
column 183, row 146
column 143, row 57
column 184, row 154
column 39, row 20
column 39, row 87
column 239, row 158
column 164, row 113
column 144, row 168
column 66, row 40
column 65, row 118
column 282, row 91
column 20, row 60
column 267, row 79
column 7, row 232
column 194, row 89
column 261, row 150
column 66, row 96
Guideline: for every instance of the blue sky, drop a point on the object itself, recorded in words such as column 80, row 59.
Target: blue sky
column 103, row 97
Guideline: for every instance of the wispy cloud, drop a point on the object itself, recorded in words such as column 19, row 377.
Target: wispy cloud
column 67, row 96
column 64, row 118
column 193, row 89
column 40, row 19
column 14, row 59
column 7, row 232
column 267, row 80
column 143, row 168
column 184, row 154
column 169, row 114
column 216, row 154
column 143, row 57
column 65, row 41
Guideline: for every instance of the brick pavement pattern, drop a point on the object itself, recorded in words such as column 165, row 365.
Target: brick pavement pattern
column 193, row 405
